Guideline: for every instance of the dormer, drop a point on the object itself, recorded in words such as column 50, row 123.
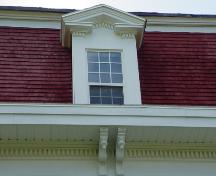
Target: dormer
column 104, row 43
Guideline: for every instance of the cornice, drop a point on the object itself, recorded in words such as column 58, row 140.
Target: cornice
column 103, row 9
column 30, row 16
column 102, row 16
column 173, row 151
column 31, row 149
column 183, row 22
column 124, row 150
column 107, row 115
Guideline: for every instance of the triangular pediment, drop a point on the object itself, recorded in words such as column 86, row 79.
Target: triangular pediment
column 105, row 12
column 85, row 20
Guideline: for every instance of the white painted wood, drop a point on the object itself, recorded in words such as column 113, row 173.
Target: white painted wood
column 160, row 134
column 169, row 168
column 164, row 28
column 48, row 167
column 26, row 131
column 8, row 131
column 181, row 24
column 94, row 11
column 82, row 22
column 30, row 19
column 87, row 133
column 105, row 39
column 108, row 115
column 53, row 20
column 41, row 131
column 103, row 28
column 30, row 23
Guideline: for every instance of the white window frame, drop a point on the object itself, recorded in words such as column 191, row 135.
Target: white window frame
column 105, row 84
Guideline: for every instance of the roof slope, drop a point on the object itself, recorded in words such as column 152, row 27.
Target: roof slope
column 63, row 11
column 34, row 67
column 178, row 68
column 175, row 68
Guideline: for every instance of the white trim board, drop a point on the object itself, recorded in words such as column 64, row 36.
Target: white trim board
column 53, row 20
column 108, row 115
column 30, row 19
column 181, row 24
column 30, row 23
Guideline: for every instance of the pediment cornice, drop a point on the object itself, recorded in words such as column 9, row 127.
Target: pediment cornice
column 101, row 16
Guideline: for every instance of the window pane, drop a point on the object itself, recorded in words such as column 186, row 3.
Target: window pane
column 105, row 68
column 117, row 78
column 115, row 57
column 95, row 100
column 116, row 68
column 95, row 91
column 104, row 56
column 118, row 101
column 93, row 67
column 106, row 95
column 93, row 77
column 117, row 92
column 106, row 100
column 92, row 56
column 106, row 91
column 105, row 78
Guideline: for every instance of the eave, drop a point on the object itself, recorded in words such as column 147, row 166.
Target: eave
column 82, row 122
column 143, row 115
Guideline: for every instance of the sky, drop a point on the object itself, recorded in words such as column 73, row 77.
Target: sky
column 164, row 6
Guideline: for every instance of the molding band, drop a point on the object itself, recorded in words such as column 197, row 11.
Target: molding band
column 128, row 35
column 104, row 25
column 48, row 150
column 79, row 33
column 170, row 151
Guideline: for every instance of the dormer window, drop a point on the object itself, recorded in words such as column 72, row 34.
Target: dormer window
column 104, row 43
column 105, row 77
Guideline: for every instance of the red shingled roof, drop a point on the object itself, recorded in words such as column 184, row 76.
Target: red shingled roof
column 175, row 68
column 33, row 66
column 178, row 68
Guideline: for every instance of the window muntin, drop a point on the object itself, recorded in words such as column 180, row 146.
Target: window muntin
column 104, row 67
column 106, row 95
column 105, row 77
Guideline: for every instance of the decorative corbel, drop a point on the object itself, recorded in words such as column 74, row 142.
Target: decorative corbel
column 102, row 154
column 120, row 146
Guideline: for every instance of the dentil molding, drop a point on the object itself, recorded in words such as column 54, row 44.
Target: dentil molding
column 45, row 149
column 170, row 150
column 104, row 25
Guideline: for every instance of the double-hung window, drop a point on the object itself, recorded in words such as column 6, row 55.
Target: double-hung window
column 105, row 77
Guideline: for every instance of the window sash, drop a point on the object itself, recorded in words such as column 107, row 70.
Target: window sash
column 113, row 74
column 106, row 95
